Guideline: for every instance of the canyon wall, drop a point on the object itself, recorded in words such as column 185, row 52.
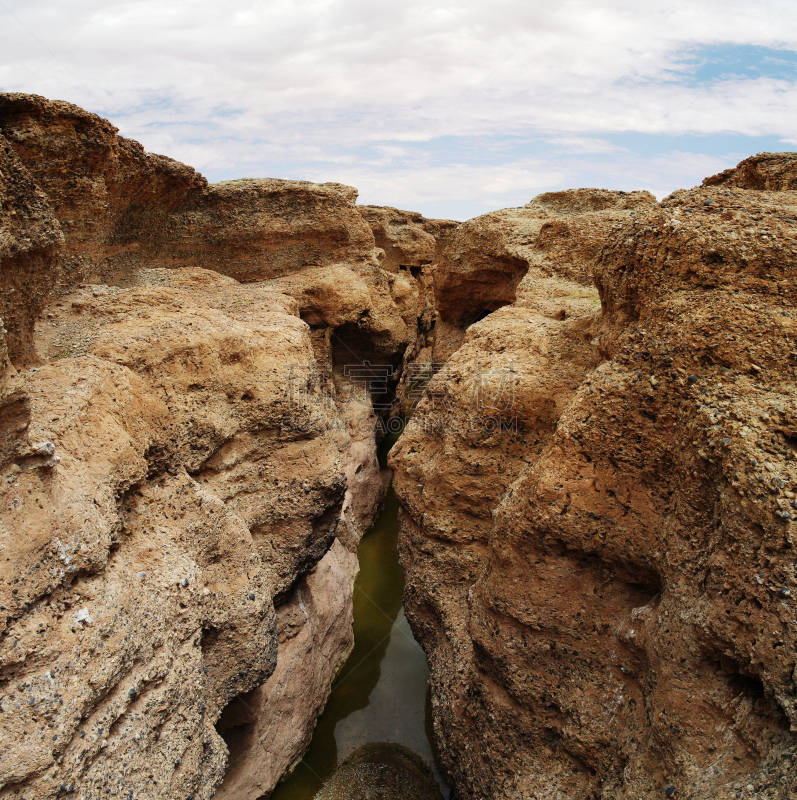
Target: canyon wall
column 598, row 495
column 598, row 487
column 188, row 461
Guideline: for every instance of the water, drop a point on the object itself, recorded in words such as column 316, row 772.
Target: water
column 382, row 692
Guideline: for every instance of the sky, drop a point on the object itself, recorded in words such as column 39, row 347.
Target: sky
column 448, row 107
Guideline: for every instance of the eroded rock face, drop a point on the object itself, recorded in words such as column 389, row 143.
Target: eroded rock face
column 106, row 192
column 410, row 241
column 184, row 483
column 556, row 234
column 29, row 236
column 413, row 246
column 769, row 171
column 257, row 229
column 122, row 208
column 606, row 594
column 191, row 490
column 268, row 729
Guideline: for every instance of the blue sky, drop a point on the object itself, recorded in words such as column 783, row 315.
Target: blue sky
column 448, row 107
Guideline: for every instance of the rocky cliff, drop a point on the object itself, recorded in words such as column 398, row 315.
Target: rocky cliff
column 598, row 501
column 598, row 487
column 188, row 462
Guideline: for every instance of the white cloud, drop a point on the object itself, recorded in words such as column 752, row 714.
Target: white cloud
column 228, row 86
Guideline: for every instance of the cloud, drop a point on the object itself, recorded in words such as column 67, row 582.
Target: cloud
column 272, row 84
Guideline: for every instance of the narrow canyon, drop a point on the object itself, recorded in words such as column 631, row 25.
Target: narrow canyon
column 595, row 480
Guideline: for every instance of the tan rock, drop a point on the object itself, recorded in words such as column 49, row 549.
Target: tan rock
column 410, row 241
column 255, row 229
column 121, row 208
column 558, row 233
column 193, row 488
column 180, row 464
column 269, row 728
column 605, row 594
column 105, row 191
column 384, row 770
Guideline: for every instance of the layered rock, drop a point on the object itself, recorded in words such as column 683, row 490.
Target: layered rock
column 121, row 208
column 601, row 570
column 556, row 234
column 256, row 229
column 106, row 192
column 413, row 246
column 409, row 240
column 598, row 502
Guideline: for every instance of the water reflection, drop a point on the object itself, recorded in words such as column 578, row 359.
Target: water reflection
column 381, row 693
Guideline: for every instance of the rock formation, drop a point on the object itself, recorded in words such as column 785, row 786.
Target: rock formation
column 557, row 233
column 384, row 770
column 409, row 240
column 597, row 530
column 771, row 171
column 187, row 463
column 599, row 488
column 29, row 236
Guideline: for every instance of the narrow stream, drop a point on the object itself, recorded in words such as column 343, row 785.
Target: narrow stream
column 381, row 694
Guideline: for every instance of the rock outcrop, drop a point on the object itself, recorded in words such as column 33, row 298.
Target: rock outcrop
column 121, row 208
column 597, row 530
column 186, row 471
column 770, row 171
column 105, row 191
column 413, row 248
column 599, row 489
column 383, row 770
column 558, row 233
column 29, row 236
column 253, row 230
column 409, row 240
column 195, row 484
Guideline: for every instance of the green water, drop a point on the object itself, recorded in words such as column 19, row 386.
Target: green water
column 381, row 693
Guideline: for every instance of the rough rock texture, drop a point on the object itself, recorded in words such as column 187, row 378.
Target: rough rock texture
column 121, row 208
column 770, row 171
column 354, row 314
column 315, row 635
column 257, row 229
column 29, row 234
column 104, row 190
column 598, row 502
column 606, row 593
column 558, row 233
column 413, row 246
column 182, row 484
column 410, row 241
column 384, row 770
column 141, row 569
